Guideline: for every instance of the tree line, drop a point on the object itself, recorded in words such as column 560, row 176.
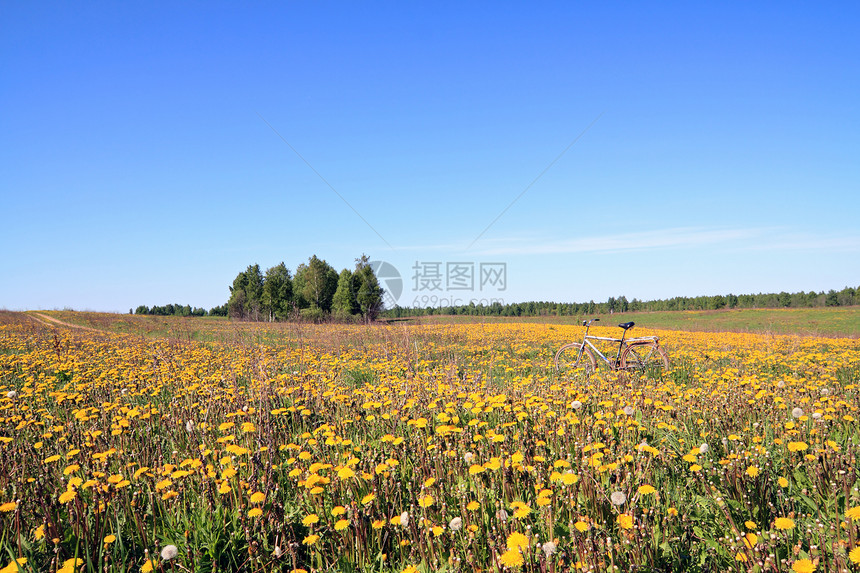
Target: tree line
column 318, row 292
column 172, row 310
column 848, row 296
column 315, row 292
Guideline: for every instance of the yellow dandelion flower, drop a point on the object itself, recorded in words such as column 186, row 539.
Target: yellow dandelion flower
column 71, row 469
column 68, row 496
column 750, row 524
column 750, row 540
column 517, row 541
column 341, row 524
column 646, row 489
column 803, row 566
column 783, row 523
column 368, row 498
column 255, row 512
column 310, row 539
column 338, row 510
column 426, row 501
column 854, row 555
column 39, row 532
column 625, row 521
column 752, row 471
column 378, row 524
column 853, row 514
column 473, row 505
column 512, row 558
column 782, row 482
column 15, row 565
column 109, row 539
column 310, row 519
column 258, row 497
column 521, row 510
column 581, row 526
column 69, row 565
column 8, row 506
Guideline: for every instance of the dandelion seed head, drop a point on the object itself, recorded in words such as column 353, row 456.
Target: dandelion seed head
column 618, row 498
column 169, row 552
column 797, row 413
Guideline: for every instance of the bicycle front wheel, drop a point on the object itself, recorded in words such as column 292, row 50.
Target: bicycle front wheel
column 649, row 356
column 569, row 359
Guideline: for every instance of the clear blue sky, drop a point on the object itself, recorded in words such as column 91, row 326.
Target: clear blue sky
column 723, row 153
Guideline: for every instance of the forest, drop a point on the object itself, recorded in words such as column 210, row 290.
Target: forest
column 848, row 296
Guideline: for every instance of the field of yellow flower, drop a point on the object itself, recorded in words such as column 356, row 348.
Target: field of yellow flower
column 421, row 448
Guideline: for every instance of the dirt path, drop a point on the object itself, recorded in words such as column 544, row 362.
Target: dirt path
column 51, row 321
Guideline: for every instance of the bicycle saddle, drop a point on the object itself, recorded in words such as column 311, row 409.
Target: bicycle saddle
column 626, row 325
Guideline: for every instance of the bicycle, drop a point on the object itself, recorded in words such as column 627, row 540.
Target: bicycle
column 641, row 353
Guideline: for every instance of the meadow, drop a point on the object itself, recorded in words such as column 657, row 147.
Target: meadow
column 183, row 445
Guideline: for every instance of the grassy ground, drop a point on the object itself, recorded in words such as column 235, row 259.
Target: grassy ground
column 419, row 448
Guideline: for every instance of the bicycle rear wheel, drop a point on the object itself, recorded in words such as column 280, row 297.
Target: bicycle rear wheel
column 648, row 356
column 569, row 360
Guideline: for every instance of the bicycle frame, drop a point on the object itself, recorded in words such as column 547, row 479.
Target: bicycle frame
column 614, row 365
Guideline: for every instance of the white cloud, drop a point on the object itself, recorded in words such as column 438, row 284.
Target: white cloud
column 751, row 239
column 647, row 240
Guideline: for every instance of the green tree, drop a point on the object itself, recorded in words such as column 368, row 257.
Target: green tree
column 368, row 293
column 315, row 284
column 344, row 303
column 246, row 294
column 277, row 296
